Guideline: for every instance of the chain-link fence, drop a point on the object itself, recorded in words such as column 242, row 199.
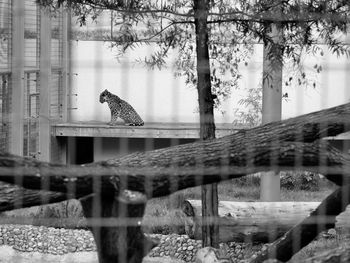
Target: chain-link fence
column 114, row 103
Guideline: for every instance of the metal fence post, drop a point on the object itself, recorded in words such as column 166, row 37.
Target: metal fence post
column 44, row 76
column 16, row 119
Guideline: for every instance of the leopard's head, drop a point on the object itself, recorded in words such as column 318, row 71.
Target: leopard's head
column 104, row 96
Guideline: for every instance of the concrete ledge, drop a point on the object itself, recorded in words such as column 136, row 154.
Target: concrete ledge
column 149, row 130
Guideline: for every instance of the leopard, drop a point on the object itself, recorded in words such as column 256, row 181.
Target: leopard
column 120, row 109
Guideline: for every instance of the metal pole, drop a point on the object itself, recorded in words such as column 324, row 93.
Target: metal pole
column 45, row 76
column 271, row 107
column 17, row 68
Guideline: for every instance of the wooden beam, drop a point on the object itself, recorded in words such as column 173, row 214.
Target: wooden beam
column 45, row 86
column 17, row 81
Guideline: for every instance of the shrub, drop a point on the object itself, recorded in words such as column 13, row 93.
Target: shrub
column 300, row 181
column 173, row 222
column 67, row 214
column 248, row 180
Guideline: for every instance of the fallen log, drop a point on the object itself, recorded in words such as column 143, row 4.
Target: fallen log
column 255, row 221
column 14, row 197
column 157, row 181
column 286, row 144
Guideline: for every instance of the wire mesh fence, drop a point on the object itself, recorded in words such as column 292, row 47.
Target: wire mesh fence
column 121, row 131
column 5, row 51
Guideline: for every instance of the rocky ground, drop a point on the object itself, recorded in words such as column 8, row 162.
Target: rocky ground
column 30, row 244
column 48, row 240
column 183, row 248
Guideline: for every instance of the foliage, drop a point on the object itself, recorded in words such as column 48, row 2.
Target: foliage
column 162, row 216
column 252, row 114
column 234, row 26
column 300, row 181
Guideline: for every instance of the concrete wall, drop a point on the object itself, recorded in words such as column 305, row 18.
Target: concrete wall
column 160, row 97
column 82, row 150
column 108, row 148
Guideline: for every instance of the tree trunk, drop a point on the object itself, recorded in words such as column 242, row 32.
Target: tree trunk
column 206, row 115
column 256, row 221
column 160, row 181
column 117, row 231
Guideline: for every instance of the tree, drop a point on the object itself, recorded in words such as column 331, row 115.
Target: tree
column 233, row 26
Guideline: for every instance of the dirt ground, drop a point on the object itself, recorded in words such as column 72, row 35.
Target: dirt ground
column 9, row 255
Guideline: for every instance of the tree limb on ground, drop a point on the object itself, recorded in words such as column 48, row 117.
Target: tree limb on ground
column 14, row 197
column 161, row 181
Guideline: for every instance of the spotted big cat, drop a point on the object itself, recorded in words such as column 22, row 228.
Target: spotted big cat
column 120, row 109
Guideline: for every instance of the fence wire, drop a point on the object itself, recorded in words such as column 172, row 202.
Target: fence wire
column 75, row 130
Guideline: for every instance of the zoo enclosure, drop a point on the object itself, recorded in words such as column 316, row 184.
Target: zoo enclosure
column 45, row 65
column 34, row 77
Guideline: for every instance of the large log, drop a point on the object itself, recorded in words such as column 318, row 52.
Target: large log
column 14, row 197
column 255, row 221
column 285, row 145
column 155, row 181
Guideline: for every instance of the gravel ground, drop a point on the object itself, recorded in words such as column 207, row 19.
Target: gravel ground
column 62, row 242
column 46, row 239
column 183, row 248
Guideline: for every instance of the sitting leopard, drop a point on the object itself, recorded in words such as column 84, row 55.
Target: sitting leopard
column 120, row 109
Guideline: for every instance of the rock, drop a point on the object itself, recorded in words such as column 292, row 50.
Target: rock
column 331, row 233
column 210, row 255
